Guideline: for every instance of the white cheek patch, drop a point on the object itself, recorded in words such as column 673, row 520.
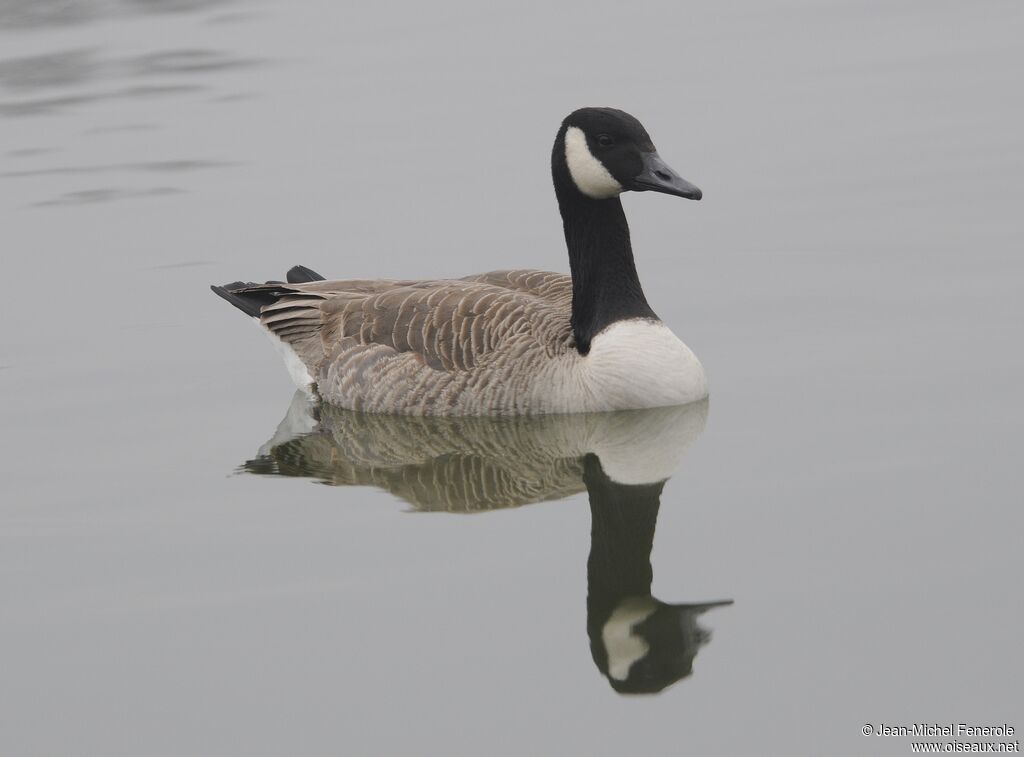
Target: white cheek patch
column 588, row 173
column 623, row 646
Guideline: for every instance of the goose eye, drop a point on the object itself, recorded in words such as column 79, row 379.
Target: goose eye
column 605, row 140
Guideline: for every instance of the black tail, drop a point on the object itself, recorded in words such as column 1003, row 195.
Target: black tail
column 250, row 298
column 301, row 275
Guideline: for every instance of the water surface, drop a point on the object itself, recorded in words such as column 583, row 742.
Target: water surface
column 851, row 282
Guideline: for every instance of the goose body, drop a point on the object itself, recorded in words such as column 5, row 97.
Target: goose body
column 506, row 342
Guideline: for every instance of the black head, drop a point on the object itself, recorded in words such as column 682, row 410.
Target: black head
column 604, row 152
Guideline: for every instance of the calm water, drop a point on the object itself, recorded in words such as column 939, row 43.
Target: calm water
column 852, row 282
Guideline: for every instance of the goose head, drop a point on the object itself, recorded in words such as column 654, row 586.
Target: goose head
column 601, row 152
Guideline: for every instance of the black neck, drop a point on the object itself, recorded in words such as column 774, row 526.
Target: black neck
column 605, row 286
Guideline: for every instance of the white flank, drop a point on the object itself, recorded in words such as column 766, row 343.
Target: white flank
column 623, row 646
column 588, row 173
column 296, row 368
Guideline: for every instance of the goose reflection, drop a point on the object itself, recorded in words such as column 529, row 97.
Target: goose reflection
column 471, row 465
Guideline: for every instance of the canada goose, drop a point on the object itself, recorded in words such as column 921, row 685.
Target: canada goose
column 506, row 342
column 476, row 464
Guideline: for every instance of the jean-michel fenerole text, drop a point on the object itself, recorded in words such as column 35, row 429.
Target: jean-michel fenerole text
column 944, row 729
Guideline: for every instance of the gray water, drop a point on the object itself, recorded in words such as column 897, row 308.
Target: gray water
column 851, row 281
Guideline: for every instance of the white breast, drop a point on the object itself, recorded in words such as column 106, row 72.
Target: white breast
column 631, row 365
column 641, row 363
